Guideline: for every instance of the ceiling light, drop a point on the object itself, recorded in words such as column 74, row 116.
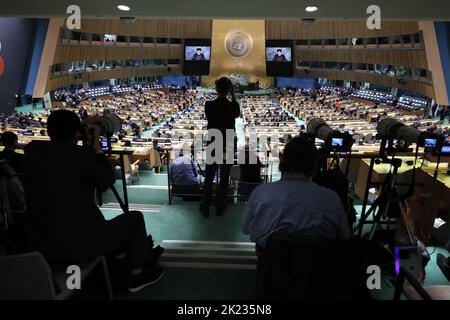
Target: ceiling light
column 311, row 9
column 123, row 7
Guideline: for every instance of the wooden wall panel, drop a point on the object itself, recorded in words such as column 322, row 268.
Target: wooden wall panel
column 410, row 85
column 288, row 29
column 434, row 62
column 88, row 53
column 111, row 74
column 413, row 58
column 150, row 28
column 47, row 57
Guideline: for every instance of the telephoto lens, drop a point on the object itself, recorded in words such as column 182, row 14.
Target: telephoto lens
column 319, row 128
column 393, row 129
column 109, row 124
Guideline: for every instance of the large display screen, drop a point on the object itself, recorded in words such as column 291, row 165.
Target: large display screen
column 279, row 54
column 279, row 59
column 197, row 57
column 197, row 53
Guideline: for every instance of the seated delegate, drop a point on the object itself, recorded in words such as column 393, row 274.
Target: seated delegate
column 184, row 176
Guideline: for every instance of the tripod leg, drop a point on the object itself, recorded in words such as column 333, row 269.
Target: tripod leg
column 376, row 222
column 119, row 200
column 365, row 215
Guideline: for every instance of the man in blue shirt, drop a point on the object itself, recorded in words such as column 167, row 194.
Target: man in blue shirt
column 184, row 177
column 295, row 206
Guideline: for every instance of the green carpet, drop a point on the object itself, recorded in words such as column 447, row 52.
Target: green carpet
column 182, row 221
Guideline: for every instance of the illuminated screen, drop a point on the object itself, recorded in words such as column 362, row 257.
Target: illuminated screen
column 446, row 149
column 197, row 53
column 197, row 57
column 337, row 142
column 430, row 143
column 278, row 54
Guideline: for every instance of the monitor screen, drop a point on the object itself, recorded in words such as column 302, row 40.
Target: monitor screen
column 197, row 57
column 197, row 53
column 279, row 58
column 337, row 142
column 27, row 133
column 110, row 38
column 279, row 54
column 430, row 143
column 104, row 143
column 445, row 150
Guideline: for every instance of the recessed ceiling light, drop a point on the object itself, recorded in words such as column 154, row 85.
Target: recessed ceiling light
column 311, row 9
column 123, row 7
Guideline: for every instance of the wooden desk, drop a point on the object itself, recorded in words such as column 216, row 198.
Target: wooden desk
column 379, row 173
column 430, row 200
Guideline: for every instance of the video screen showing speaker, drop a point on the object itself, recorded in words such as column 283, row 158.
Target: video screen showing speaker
column 197, row 57
column 279, row 59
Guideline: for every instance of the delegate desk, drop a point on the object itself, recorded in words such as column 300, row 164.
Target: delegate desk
column 379, row 173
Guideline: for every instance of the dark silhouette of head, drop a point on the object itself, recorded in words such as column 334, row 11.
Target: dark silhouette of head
column 9, row 139
column 299, row 156
column 63, row 125
column 223, row 86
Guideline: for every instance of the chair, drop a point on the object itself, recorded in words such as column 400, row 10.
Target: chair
column 12, row 195
column 304, row 269
column 235, row 173
column 245, row 189
column 135, row 169
column 155, row 159
column 29, row 277
column 368, row 138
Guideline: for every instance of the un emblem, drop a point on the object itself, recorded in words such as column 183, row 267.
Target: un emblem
column 238, row 44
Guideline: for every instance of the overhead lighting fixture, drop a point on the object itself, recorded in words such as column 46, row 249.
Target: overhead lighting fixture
column 311, row 9
column 123, row 7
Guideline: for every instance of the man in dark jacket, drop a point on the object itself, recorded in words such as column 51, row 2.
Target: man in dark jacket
column 221, row 115
column 15, row 160
column 65, row 224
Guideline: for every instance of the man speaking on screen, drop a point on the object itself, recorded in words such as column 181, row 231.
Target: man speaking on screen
column 279, row 56
column 198, row 55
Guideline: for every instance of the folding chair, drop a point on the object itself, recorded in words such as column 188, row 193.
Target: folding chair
column 29, row 277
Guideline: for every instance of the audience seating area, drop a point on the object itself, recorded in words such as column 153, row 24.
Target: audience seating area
column 355, row 116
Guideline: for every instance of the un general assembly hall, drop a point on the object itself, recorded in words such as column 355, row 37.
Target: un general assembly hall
column 206, row 152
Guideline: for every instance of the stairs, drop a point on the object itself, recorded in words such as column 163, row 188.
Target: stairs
column 208, row 255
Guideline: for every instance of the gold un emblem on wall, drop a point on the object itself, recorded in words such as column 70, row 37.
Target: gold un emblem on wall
column 238, row 43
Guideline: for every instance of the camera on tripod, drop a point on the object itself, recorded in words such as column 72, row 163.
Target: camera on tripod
column 109, row 124
column 334, row 140
column 390, row 130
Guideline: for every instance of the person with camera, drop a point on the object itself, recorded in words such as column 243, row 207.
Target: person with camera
column 221, row 115
column 65, row 223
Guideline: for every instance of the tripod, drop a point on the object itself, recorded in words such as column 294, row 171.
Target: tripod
column 389, row 203
column 124, row 205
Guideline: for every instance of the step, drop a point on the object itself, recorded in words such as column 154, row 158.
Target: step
column 209, row 255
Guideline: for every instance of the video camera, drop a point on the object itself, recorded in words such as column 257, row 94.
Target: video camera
column 390, row 129
column 334, row 140
column 109, row 124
